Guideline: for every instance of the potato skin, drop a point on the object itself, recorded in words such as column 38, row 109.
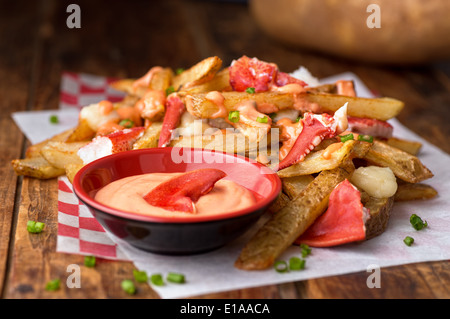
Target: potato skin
column 380, row 211
column 411, row 32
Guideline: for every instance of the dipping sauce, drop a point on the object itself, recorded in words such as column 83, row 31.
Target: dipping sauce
column 127, row 194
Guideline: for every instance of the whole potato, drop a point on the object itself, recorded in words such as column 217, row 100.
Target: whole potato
column 411, row 31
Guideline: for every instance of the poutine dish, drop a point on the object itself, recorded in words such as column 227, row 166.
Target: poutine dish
column 341, row 166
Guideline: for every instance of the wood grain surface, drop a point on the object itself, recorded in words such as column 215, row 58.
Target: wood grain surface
column 123, row 39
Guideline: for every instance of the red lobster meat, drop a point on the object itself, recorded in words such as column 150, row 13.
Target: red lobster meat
column 316, row 128
column 366, row 126
column 343, row 222
column 262, row 76
column 181, row 192
column 174, row 109
column 118, row 141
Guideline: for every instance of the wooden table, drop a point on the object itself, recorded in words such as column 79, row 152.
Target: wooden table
column 123, row 39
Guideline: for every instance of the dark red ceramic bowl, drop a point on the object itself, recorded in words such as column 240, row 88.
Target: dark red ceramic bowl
column 183, row 235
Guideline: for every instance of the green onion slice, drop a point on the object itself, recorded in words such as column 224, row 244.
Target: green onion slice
column 127, row 123
column 281, row 266
column 179, row 71
column 296, row 263
column 306, row 250
column 250, row 90
column 53, row 285
column 170, row 90
column 233, row 116
column 35, row 227
column 408, row 241
column 417, row 222
column 128, row 286
column 264, row 119
column 140, row 276
column 54, row 119
column 89, row 261
column 365, row 138
column 157, row 280
column 175, row 278
column 348, row 137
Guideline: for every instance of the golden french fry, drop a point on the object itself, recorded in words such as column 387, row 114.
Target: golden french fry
column 83, row 132
column 291, row 221
column 150, row 137
column 281, row 201
column 405, row 166
column 417, row 191
column 59, row 154
column 380, row 211
column 316, row 162
column 198, row 74
column 72, row 170
column 35, row 150
column 37, row 167
column 220, row 82
column 293, row 186
column 410, row 147
column 376, row 108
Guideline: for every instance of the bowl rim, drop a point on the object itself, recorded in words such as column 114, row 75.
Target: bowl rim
column 85, row 198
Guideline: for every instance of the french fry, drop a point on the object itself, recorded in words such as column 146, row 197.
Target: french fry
column 281, row 201
column 405, row 166
column 82, row 132
column 411, row 147
column 291, row 221
column 198, row 74
column 59, row 154
column 380, row 108
column 35, row 150
column 315, row 162
column 220, row 82
column 37, row 167
column 417, row 191
column 293, row 186
column 150, row 137
column 380, row 210
column 72, row 170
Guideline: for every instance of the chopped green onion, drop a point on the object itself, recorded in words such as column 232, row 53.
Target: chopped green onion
column 298, row 119
column 250, row 90
column 175, row 278
column 233, row 116
column 54, row 119
column 348, row 137
column 179, row 71
column 35, row 227
column 408, row 241
column 128, row 286
column 127, row 123
column 53, row 285
column 89, row 261
column 170, row 90
column 281, row 266
column 365, row 138
column 272, row 115
column 264, row 119
column 296, row 263
column 306, row 250
column 140, row 276
column 157, row 280
column 417, row 222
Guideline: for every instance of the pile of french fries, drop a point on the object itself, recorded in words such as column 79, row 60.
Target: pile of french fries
column 306, row 184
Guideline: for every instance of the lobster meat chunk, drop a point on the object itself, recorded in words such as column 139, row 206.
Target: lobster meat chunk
column 118, row 141
column 366, row 126
column 181, row 192
column 343, row 222
column 316, row 128
column 174, row 109
column 252, row 73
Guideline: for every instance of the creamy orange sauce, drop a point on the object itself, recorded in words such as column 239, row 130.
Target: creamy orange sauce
column 331, row 149
column 127, row 194
column 151, row 104
column 345, row 88
column 147, row 78
column 267, row 108
column 105, row 107
column 218, row 99
column 289, row 131
column 293, row 88
column 301, row 103
column 130, row 113
column 109, row 127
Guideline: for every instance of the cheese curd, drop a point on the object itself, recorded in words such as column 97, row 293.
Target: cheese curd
column 376, row 181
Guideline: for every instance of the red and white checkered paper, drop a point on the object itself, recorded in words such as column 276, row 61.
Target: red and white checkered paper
column 78, row 231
